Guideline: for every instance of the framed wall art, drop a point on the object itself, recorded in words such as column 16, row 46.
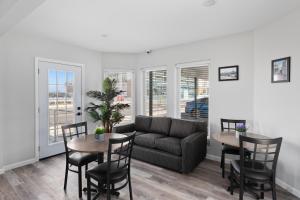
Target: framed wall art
column 230, row 73
column 281, row 70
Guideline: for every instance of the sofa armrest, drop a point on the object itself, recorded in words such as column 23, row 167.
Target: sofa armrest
column 124, row 128
column 193, row 150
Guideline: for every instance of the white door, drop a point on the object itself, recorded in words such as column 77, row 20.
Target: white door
column 59, row 104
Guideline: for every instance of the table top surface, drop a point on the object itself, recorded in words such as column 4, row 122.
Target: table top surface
column 229, row 137
column 89, row 144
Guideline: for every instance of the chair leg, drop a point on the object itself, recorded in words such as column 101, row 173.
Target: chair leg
column 79, row 182
column 86, row 168
column 262, row 195
column 129, row 185
column 66, row 176
column 221, row 159
column 241, row 189
column 108, row 191
column 231, row 180
column 223, row 164
column 88, row 188
column 274, row 189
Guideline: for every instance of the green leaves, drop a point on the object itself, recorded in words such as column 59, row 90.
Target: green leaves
column 106, row 111
column 120, row 106
column 95, row 115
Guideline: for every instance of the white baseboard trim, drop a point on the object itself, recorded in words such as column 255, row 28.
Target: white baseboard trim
column 288, row 187
column 279, row 182
column 19, row 164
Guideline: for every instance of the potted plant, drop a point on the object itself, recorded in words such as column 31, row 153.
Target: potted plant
column 106, row 111
column 240, row 130
column 99, row 133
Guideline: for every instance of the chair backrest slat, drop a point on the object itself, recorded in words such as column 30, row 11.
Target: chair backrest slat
column 262, row 157
column 121, row 156
column 73, row 130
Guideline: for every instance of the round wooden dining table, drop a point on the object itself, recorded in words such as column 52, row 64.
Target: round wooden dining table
column 229, row 137
column 89, row 144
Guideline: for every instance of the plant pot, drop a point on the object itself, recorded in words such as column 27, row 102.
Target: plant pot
column 99, row 137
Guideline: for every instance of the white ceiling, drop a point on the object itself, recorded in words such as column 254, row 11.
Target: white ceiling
column 137, row 25
column 12, row 11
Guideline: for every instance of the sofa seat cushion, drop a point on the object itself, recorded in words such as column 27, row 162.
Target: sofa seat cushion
column 182, row 128
column 142, row 123
column 169, row 144
column 160, row 125
column 147, row 140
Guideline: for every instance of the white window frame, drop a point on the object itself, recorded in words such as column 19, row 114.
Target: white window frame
column 144, row 71
column 117, row 70
column 180, row 66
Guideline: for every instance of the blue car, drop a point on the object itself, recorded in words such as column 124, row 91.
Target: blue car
column 201, row 107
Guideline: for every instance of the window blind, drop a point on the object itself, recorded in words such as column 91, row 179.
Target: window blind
column 193, row 93
column 125, row 83
column 155, row 90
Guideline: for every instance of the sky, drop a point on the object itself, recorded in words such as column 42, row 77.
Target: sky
column 58, row 79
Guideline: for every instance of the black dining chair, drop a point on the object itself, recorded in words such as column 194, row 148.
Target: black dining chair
column 229, row 125
column 75, row 158
column 115, row 171
column 256, row 173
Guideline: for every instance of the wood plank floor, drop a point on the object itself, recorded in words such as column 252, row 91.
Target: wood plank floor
column 44, row 180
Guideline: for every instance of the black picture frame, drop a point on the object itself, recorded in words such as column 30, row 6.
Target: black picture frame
column 281, row 70
column 232, row 73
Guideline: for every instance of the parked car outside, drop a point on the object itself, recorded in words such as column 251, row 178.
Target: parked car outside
column 201, row 107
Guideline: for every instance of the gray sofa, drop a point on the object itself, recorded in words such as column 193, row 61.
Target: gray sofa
column 175, row 144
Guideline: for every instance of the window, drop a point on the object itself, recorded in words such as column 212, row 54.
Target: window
column 125, row 83
column 192, row 94
column 155, row 93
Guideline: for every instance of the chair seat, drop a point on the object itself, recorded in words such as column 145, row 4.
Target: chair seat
column 254, row 171
column 100, row 173
column 228, row 149
column 80, row 159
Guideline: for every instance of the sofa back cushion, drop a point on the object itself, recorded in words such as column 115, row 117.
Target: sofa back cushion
column 182, row 128
column 142, row 123
column 160, row 125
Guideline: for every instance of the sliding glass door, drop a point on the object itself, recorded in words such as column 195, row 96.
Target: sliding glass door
column 192, row 93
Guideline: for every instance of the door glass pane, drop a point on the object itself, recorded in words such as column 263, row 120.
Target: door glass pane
column 70, row 78
column 52, row 77
column 61, row 102
column 61, row 77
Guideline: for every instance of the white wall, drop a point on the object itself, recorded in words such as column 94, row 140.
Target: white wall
column 2, row 64
column 231, row 99
column 119, row 61
column 277, row 105
column 19, row 121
